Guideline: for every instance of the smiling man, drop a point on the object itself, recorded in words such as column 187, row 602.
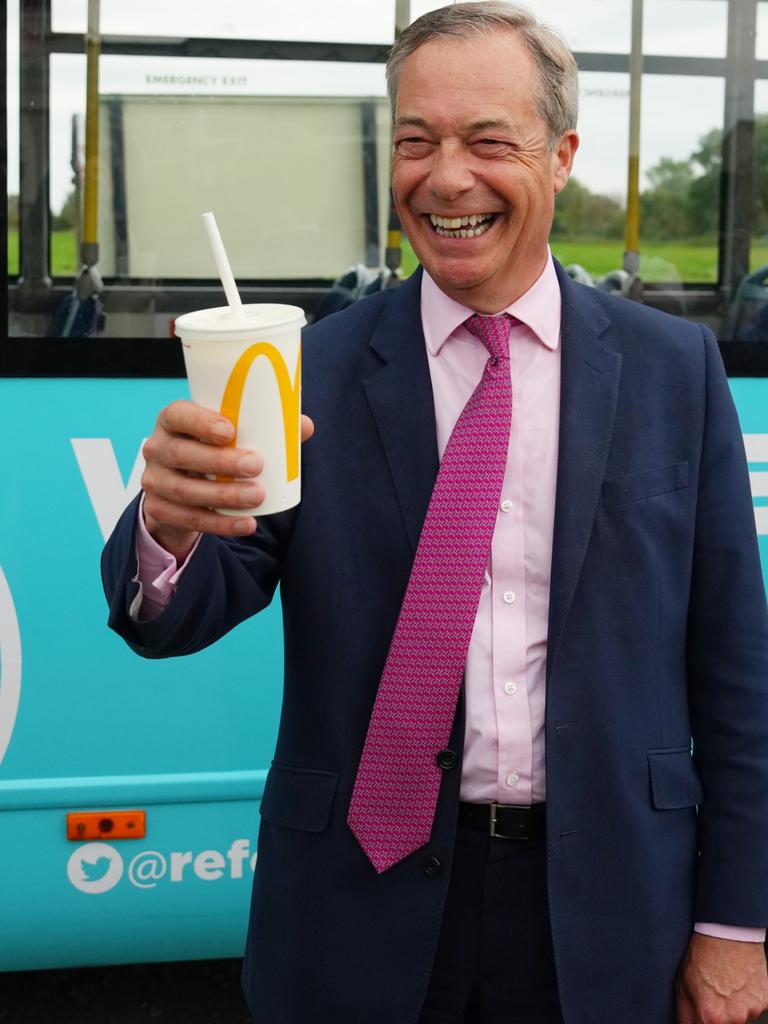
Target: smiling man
column 476, row 165
column 522, row 769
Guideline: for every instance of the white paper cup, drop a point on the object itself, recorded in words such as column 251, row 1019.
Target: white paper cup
column 249, row 370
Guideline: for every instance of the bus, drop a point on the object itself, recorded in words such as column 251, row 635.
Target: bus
column 130, row 789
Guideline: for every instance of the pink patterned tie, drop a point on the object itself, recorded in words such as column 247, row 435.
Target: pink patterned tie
column 398, row 778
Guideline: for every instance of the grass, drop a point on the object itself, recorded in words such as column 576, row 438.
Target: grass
column 693, row 261
column 64, row 261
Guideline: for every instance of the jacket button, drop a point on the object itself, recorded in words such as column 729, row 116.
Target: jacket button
column 432, row 866
column 447, row 759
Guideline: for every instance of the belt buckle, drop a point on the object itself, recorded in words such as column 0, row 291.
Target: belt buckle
column 510, row 807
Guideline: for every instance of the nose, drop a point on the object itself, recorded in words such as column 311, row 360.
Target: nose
column 450, row 175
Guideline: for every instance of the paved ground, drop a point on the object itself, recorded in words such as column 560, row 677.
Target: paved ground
column 205, row 992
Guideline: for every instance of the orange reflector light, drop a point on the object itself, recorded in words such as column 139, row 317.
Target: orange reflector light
column 106, row 825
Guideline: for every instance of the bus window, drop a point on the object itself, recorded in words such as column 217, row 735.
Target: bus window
column 252, row 131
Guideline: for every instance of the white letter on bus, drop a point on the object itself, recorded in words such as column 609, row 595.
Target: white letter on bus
column 101, row 474
column 238, row 852
column 178, row 862
column 208, row 865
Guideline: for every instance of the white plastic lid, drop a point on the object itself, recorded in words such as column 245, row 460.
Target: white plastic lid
column 260, row 316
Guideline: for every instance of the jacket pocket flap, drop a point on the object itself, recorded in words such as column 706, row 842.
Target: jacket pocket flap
column 648, row 484
column 675, row 781
column 299, row 798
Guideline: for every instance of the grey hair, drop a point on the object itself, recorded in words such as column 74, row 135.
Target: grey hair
column 558, row 98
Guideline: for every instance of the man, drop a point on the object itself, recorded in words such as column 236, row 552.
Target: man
column 589, row 538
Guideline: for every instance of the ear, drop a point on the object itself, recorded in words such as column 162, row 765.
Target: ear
column 562, row 159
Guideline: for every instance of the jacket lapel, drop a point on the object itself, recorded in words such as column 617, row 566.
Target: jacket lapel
column 399, row 393
column 588, row 396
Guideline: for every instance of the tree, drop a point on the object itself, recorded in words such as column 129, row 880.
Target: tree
column 579, row 212
column 683, row 200
column 66, row 218
column 664, row 207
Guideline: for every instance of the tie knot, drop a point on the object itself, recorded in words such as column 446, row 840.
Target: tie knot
column 493, row 331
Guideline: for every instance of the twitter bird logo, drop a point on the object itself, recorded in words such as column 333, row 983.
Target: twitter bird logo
column 95, row 868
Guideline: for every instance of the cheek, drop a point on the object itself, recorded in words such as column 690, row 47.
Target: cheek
column 402, row 182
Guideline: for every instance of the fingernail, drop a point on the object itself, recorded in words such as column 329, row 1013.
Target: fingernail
column 250, row 465
column 252, row 494
column 244, row 526
column 223, row 429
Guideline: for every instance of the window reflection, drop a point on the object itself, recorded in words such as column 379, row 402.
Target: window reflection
column 588, row 230
column 762, row 31
column 589, row 25
column 304, row 20
column 283, row 169
column 680, row 157
column 12, row 115
column 294, row 155
column 748, row 314
column 686, row 28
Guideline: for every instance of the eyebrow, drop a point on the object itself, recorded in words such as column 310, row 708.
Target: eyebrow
column 476, row 126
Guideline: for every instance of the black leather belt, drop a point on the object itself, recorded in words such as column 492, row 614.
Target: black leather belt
column 505, row 821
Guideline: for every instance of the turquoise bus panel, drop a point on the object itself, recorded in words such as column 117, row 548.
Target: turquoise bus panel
column 85, row 724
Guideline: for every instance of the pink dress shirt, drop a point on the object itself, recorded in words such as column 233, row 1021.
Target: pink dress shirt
column 506, row 663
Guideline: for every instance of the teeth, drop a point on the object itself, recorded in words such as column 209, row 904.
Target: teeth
column 453, row 223
column 469, row 226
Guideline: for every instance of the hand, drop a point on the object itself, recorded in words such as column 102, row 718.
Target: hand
column 721, row 981
column 189, row 442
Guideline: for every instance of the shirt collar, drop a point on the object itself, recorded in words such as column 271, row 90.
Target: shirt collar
column 539, row 309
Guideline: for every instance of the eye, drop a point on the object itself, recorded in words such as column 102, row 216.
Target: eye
column 491, row 147
column 413, row 146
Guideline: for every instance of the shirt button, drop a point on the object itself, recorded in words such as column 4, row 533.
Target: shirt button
column 510, row 597
column 507, row 506
column 510, row 687
column 512, row 779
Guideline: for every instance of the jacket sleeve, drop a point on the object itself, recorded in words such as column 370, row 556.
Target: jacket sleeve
column 225, row 582
column 727, row 652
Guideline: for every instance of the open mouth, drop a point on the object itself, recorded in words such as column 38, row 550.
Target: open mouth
column 470, row 226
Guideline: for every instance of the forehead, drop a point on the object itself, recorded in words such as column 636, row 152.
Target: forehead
column 487, row 76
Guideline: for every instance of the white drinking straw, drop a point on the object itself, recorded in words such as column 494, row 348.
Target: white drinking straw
column 222, row 265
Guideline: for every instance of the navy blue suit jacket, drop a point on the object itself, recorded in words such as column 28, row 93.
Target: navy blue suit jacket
column 657, row 635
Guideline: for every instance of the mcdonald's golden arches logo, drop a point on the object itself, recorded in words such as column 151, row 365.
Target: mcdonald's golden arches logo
column 290, row 396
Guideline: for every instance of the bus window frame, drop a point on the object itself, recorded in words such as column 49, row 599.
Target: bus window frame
column 144, row 357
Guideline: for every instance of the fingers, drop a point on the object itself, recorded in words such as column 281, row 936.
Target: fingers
column 193, row 420
column 192, row 456
column 172, row 524
column 182, row 489
column 192, row 468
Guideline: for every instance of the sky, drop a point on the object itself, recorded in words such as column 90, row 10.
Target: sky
column 676, row 111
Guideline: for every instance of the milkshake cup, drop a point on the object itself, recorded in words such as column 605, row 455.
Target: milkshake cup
column 245, row 363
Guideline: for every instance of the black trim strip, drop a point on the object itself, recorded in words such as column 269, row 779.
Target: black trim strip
column 370, row 184
column 365, row 53
column 150, row 358
column 239, row 49
column 119, row 199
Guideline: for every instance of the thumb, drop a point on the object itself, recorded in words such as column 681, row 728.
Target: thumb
column 307, row 428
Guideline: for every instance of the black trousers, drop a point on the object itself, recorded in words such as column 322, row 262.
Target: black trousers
column 494, row 961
